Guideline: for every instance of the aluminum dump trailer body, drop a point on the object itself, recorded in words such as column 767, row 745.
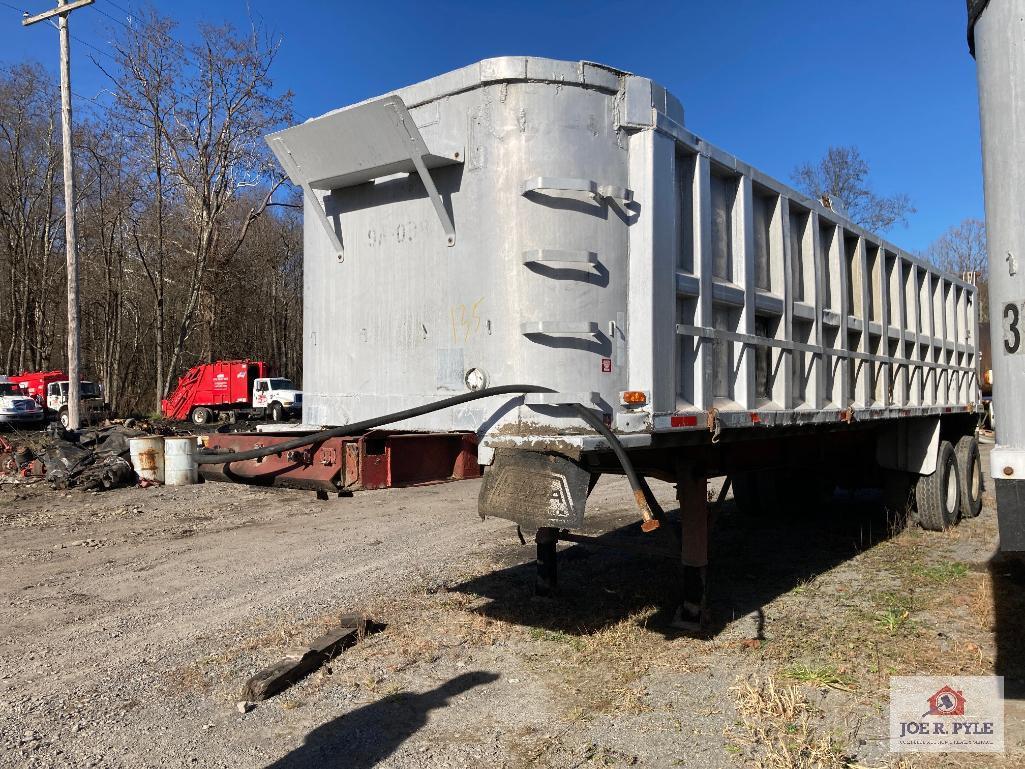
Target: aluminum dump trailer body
column 524, row 221
column 554, row 223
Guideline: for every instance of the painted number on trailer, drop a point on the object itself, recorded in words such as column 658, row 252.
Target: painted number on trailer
column 466, row 321
column 1013, row 327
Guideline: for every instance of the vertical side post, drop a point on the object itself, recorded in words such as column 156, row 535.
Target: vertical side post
column 651, row 287
column 787, row 366
column 704, row 396
column 744, row 392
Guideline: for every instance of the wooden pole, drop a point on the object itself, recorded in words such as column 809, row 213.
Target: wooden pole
column 70, row 241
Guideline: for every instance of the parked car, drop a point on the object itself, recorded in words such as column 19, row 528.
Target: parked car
column 17, row 408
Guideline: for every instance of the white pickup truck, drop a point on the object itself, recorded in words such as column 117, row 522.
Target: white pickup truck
column 17, row 408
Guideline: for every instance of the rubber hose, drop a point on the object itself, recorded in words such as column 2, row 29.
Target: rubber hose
column 640, row 488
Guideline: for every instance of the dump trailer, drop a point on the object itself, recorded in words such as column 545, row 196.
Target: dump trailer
column 540, row 254
column 233, row 388
column 996, row 38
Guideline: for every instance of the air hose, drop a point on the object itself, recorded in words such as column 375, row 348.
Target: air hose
column 641, row 493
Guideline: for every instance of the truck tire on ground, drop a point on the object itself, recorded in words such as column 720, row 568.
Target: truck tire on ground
column 938, row 495
column 277, row 412
column 969, row 468
column 65, row 418
column 201, row 415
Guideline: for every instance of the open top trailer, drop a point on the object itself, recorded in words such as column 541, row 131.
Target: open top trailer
column 669, row 310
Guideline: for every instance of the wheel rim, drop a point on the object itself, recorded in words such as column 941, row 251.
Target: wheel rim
column 974, row 478
column 951, row 495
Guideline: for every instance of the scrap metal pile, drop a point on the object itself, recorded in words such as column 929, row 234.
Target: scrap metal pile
column 93, row 459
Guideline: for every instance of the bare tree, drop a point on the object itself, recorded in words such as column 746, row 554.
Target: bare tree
column 184, row 255
column 30, row 213
column 198, row 115
column 962, row 250
column 842, row 176
column 216, row 147
column 150, row 62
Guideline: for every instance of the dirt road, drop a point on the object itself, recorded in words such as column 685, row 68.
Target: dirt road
column 130, row 620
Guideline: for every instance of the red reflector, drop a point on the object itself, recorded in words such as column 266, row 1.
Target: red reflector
column 755, row 418
column 683, row 421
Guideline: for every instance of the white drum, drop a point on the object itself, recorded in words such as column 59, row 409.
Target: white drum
column 147, row 455
column 180, row 467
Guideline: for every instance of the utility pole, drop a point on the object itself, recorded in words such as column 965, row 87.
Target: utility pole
column 63, row 9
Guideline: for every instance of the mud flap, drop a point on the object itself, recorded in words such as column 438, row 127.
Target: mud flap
column 535, row 490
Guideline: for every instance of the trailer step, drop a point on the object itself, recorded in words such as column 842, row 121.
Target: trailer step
column 378, row 460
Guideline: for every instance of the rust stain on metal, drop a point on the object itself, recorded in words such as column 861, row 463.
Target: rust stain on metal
column 148, row 459
column 650, row 522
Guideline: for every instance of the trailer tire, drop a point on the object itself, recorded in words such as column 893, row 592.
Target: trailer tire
column 201, row 415
column 938, row 495
column 969, row 467
column 277, row 412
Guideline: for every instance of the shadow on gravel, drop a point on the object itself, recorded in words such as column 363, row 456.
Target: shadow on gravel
column 366, row 736
column 753, row 561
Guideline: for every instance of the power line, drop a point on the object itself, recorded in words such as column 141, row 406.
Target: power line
column 123, row 10
column 110, row 56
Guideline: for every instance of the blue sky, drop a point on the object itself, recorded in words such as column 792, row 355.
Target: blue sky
column 775, row 83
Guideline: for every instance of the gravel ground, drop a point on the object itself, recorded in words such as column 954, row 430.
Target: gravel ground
column 130, row 620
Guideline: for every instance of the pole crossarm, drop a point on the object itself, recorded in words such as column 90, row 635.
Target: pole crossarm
column 59, row 10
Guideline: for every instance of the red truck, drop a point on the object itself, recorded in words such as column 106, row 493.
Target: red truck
column 227, row 386
column 50, row 390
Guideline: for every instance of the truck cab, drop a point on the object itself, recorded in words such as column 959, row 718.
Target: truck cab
column 277, row 397
column 15, row 406
column 93, row 407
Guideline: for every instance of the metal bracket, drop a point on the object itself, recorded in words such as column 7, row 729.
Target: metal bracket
column 545, row 185
column 557, row 258
column 288, row 162
column 417, row 152
column 355, row 145
column 562, row 399
column 560, row 328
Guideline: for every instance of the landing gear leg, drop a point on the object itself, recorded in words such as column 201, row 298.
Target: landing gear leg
column 695, row 518
column 547, row 573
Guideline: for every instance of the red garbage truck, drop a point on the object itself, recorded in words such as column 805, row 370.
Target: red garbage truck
column 231, row 386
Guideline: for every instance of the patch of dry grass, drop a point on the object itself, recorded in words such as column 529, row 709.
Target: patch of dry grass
column 776, row 730
column 823, row 676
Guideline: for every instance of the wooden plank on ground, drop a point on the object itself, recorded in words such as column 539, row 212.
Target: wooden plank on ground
column 282, row 674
